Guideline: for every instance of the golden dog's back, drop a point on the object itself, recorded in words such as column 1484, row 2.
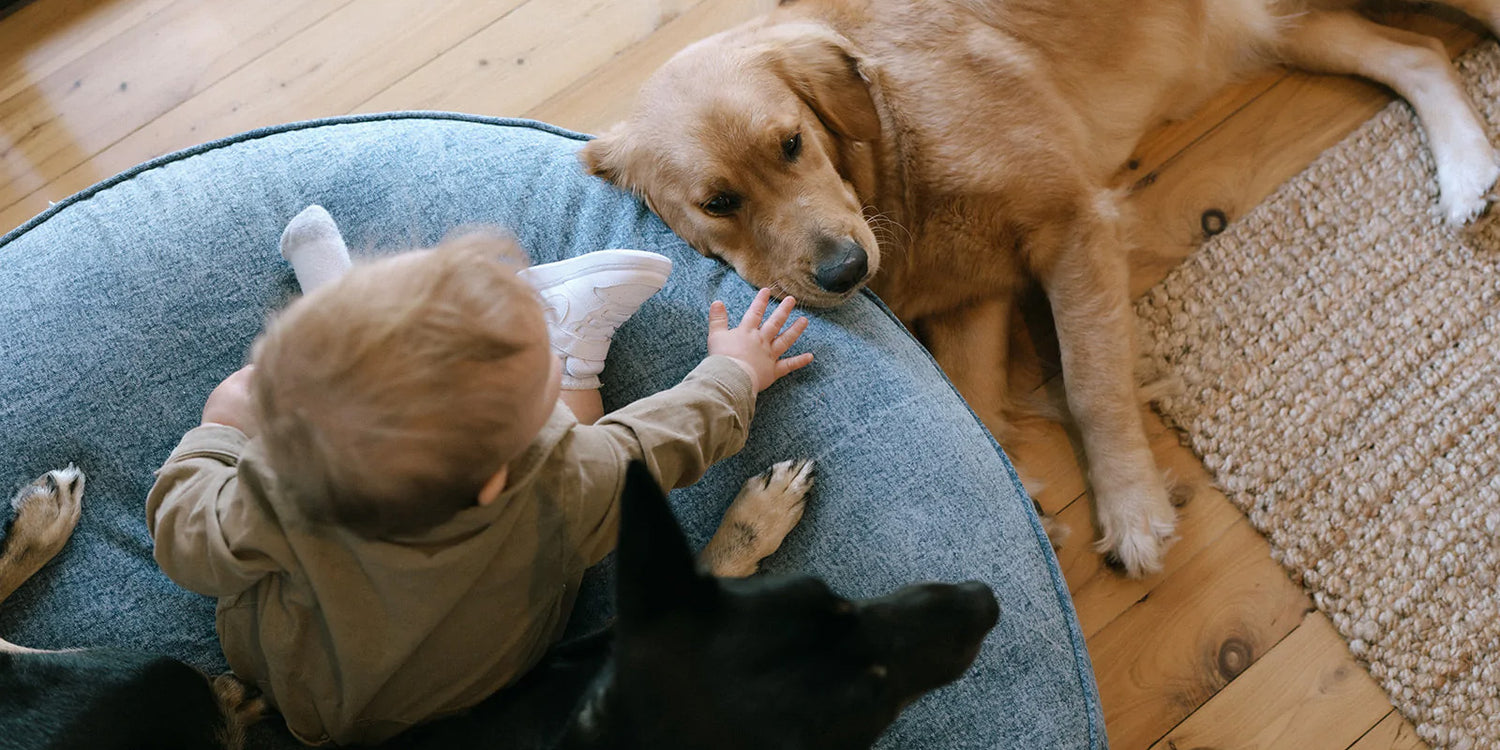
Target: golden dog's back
column 1115, row 67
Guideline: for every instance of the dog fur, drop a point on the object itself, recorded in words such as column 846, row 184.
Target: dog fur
column 698, row 662
column 790, row 644
column 102, row 698
column 945, row 152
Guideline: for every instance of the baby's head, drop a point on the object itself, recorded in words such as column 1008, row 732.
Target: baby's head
column 388, row 399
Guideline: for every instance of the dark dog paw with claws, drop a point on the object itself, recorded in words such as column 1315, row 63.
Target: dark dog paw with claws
column 47, row 511
column 768, row 507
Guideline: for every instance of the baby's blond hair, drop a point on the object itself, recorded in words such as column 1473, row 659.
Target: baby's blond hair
column 388, row 398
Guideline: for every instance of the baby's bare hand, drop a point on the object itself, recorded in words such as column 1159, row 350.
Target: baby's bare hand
column 229, row 404
column 758, row 345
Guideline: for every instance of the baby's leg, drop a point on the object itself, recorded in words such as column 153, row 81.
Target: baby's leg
column 587, row 299
column 586, row 404
column 312, row 244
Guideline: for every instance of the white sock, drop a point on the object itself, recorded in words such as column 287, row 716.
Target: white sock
column 314, row 247
column 571, row 383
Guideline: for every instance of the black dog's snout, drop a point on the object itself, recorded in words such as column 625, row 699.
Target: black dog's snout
column 842, row 265
column 982, row 599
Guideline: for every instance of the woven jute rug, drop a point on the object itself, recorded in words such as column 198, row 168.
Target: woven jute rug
column 1340, row 352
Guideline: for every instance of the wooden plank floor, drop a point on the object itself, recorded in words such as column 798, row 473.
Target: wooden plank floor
column 1219, row 650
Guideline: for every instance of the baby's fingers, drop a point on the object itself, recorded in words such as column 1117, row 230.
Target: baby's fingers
column 778, row 317
column 792, row 364
column 718, row 317
column 757, row 309
column 786, row 339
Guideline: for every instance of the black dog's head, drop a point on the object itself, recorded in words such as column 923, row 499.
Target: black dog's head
column 768, row 663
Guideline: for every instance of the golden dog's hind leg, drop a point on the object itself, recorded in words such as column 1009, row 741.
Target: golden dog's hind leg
column 1417, row 68
column 768, row 507
column 1081, row 263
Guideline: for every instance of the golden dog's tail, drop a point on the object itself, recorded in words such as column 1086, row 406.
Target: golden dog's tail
column 46, row 512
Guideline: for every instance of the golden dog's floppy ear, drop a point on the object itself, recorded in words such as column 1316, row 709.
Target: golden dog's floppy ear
column 820, row 66
column 606, row 157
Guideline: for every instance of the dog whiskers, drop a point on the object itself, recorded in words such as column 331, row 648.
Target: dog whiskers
column 884, row 228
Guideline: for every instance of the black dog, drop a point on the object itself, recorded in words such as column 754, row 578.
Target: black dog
column 694, row 662
column 103, row 698
column 703, row 663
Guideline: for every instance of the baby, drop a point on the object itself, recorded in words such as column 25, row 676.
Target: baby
column 396, row 502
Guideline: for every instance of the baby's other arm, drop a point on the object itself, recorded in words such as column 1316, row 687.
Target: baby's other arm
column 229, row 403
column 208, row 538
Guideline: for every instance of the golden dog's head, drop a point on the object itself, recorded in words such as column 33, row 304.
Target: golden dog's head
column 742, row 144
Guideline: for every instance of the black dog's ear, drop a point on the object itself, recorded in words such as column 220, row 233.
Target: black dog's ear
column 657, row 575
column 819, row 65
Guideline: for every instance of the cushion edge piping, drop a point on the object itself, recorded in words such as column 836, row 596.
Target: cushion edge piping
column 265, row 132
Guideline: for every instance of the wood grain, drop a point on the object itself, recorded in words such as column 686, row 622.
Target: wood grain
column 523, row 58
column 1306, row 693
column 1196, row 631
column 41, row 37
column 90, row 103
column 1100, row 593
column 1165, row 142
column 1235, row 164
column 604, row 97
column 1393, row 732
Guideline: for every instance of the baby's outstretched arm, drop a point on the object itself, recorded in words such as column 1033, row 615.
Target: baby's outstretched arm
column 682, row 431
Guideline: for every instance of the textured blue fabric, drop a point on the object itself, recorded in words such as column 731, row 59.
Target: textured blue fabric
column 125, row 304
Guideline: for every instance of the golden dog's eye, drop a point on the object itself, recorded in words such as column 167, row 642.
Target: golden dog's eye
column 792, row 147
column 722, row 204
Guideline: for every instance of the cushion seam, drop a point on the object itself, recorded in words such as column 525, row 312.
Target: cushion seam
column 259, row 133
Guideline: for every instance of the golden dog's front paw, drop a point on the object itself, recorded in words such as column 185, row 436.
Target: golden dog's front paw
column 1466, row 189
column 1136, row 526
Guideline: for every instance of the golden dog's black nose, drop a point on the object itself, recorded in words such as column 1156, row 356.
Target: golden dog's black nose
column 842, row 265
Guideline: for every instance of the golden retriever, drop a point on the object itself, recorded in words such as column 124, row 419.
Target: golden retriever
column 942, row 151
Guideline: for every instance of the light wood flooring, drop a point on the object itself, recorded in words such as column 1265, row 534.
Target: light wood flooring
column 1218, row 651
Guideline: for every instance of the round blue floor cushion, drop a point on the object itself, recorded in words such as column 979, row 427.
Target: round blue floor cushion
column 123, row 306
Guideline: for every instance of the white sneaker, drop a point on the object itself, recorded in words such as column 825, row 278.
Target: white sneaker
column 587, row 298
